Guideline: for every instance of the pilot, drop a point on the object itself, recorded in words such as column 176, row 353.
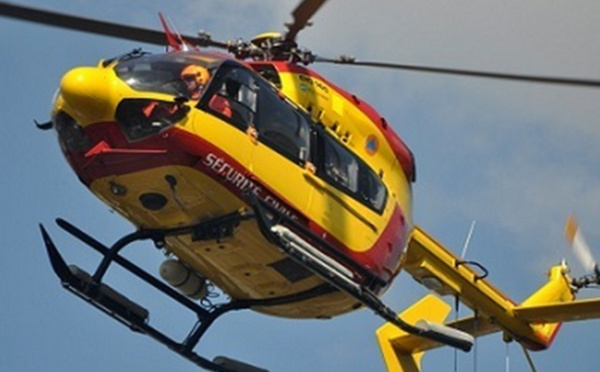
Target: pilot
column 195, row 79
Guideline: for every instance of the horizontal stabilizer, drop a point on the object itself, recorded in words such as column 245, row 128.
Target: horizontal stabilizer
column 475, row 326
column 560, row 312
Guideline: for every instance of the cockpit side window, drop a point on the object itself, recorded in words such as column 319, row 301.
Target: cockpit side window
column 347, row 172
column 142, row 118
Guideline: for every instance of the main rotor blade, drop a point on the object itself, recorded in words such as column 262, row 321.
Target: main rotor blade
column 81, row 24
column 449, row 71
column 302, row 14
column 93, row 26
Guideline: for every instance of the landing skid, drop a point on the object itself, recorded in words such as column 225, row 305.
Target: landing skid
column 339, row 272
column 91, row 289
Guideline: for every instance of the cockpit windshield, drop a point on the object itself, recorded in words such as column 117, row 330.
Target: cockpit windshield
column 178, row 74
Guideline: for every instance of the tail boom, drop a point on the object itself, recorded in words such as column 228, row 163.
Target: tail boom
column 430, row 262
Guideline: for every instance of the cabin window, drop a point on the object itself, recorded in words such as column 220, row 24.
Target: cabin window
column 233, row 96
column 347, row 172
column 240, row 97
column 281, row 126
column 268, row 72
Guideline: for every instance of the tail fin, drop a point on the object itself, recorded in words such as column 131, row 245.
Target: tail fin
column 405, row 356
column 536, row 308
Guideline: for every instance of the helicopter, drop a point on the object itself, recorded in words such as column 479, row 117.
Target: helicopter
column 172, row 186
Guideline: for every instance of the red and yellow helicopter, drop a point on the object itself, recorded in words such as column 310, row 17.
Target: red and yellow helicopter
column 259, row 176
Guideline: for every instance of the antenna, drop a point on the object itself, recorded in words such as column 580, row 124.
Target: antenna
column 457, row 297
column 468, row 240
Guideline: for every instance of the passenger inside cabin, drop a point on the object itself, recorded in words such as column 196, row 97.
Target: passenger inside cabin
column 220, row 101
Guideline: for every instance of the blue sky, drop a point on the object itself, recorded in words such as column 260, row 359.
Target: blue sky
column 518, row 158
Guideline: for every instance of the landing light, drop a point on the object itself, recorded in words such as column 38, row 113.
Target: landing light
column 117, row 189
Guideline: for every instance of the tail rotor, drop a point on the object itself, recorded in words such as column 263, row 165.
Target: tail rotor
column 583, row 253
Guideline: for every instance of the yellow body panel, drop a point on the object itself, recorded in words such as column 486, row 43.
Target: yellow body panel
column 560, row 312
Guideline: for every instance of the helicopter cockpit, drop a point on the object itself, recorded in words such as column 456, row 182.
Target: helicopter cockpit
column 140, row 118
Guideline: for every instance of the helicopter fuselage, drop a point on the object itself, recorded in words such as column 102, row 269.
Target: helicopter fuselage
column 272, row 132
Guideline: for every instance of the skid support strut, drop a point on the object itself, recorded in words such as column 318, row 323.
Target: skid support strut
column 301, row 245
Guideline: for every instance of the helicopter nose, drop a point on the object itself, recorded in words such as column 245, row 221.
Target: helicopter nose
column 87, row 92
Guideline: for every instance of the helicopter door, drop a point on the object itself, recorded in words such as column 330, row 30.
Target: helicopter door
column 231, row 98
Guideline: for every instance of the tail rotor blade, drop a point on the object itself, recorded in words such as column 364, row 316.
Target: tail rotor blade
column 579, row 246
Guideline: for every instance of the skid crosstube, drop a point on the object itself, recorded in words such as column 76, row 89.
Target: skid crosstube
column 91, row 289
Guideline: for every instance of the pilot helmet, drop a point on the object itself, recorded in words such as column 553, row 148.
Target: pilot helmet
column 198, row 73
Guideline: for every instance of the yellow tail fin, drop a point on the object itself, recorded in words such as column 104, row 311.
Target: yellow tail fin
column 556, row 291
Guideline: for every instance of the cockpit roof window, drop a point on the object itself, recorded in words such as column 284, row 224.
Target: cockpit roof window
column 161, row 73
